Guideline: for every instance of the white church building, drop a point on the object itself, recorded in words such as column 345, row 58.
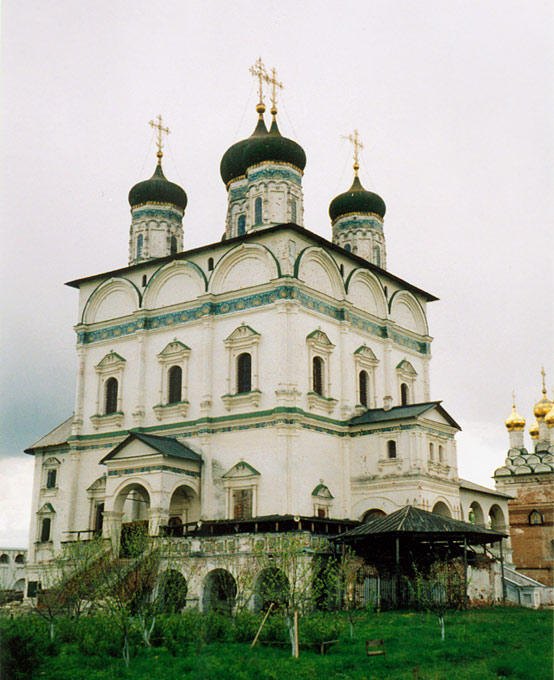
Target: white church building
column 273, row 374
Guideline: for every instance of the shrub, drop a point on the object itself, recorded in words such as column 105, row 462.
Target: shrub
column 318, row 628
column 245, row 626
column 275, row 630
column 99, row 636
column 24, row 647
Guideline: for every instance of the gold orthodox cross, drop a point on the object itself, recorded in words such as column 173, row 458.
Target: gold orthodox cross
column 272, row 80
column 543, row 381
column 161, row 131
column 354, row 138
column 259, row 72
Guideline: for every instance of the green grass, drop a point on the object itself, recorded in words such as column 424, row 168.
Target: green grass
column 480, row 645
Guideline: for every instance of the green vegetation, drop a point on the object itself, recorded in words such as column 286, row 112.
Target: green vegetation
column 502, row 642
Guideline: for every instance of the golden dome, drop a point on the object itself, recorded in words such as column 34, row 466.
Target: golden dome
column 543, row 406
column 514, row 420
column 534, row 430
column 549, row 418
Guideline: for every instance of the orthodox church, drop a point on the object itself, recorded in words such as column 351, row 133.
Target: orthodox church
column 273, row 376
column 528, row 477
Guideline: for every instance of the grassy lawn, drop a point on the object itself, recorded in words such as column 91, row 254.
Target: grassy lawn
column 480, row 645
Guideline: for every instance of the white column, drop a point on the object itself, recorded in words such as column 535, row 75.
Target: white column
column 80, row 391
column 138, row 414
column 208, row 359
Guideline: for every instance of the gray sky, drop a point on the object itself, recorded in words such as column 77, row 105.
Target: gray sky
column 453, row 101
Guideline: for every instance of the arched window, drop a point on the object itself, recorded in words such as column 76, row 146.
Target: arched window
column 293, row 211
column 431, row 451
column 140, row 241
column 404, row 394
column 441, row 454
column 317, row 370
column 173, row 245
column 364, row 388
column 174, row 384
column 210, row 264
column 110, row 401
column 347, row 247
column 391, row 449
column 536, row 518
column 258, row 206
column 241, row 223
column 244, row 373
column 45, row 529
column 377, row 255
column 20, row 559
column 4, row 559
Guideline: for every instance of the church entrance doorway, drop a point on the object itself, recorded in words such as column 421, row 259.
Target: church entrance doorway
column 133, row 502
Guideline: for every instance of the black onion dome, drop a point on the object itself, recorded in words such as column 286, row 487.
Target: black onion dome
column 233, row 163
column 158, row 189
column 274, row 147
column 357, row 200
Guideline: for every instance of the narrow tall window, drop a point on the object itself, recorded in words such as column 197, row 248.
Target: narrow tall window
column 317, row 370
column 51, row 479
column 347, row 247
column 431, row 451
column 364, row 384
column 391, row 448
column 111, row 396
column 241, row 224
column 404, row 394
column 244, row 373
column 377, row 255
column 174, row 384
column 45, row 529
column 210, row 264
column 140, row 241
column 242, row 504
column 293, row 211
column 173, row 245
column 441, row 454
column 258, row 205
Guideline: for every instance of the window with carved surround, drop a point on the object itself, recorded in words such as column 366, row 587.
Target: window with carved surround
column 50, row 471
column 241, row 491
column 406, row 376
column 320, row 349
column 366, row 362
column 322, row 500
column 45, row 523
column 173, row 391
column 242, row 368
column 109, row 411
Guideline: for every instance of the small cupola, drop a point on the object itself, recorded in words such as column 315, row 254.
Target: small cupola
column 157, row 209
column 357, row 217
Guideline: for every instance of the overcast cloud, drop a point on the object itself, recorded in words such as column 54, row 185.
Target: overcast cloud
column 453, row 101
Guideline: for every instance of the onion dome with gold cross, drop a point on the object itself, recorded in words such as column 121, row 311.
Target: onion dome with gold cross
column 357, row 200
column 263, row 145
column 543, row 406
column 158, row 189
column 514, row 421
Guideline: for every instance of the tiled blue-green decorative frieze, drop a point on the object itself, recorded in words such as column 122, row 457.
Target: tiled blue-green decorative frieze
column 150, row 212
column 360, row 222
column 152, row 468
column 286, row 292
column 274, row 173
column 239, row 192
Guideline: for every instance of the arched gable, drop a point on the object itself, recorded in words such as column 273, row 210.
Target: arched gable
column 244, row 266
column 318, row 270
column 176, row 282
column 112, row 299
column 406, row 311
column 364, row 290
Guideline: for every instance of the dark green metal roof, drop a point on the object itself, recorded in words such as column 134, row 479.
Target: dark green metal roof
column 259, row 147
column 415, row 521
column 157, row 189
column 379, row 415
column 165, row 445
column 357, row 200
